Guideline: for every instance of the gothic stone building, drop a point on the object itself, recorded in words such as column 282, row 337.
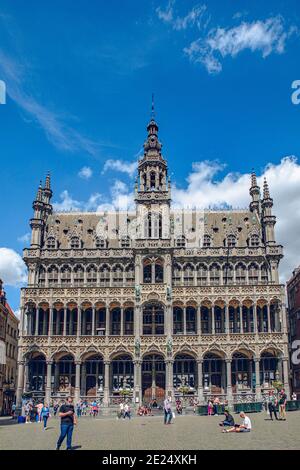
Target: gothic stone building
column 153, row 301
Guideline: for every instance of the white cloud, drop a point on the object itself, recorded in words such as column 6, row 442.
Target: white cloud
column 24, row 238
column 67, row 203
column 204, row 190
column 266, row 37
column 12, row 268
column 85, row 173
column 193, row 17
column 121, row 166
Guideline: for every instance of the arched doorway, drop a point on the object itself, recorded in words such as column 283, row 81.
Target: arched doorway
column 64, row 376
column 92, row 376
column 214, row 375
column 122, row 375
column 269, row 369
column 242, row 368
column 184, row 374
column 153, row 378
column 37, row 373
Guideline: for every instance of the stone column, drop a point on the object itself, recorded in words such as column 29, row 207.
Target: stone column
column 50, row 326
column 20, row 385
column 199, row 329
column 269, row 318
column 107, row 318
column 136, row 321
column 122, row 321
column 48, row 382
column 257, row 379
column 285, row 371
column 78, row 332
column 169, row 320
column 137, row 381
column 184, row 320
column 227, row 319
column 93, row 320
column 37, row 320
column 65, row 322
column 241, row 319
column 229, row 384
column 106, row 383
column 83, row 379
column 255, row 318
column 213, row 319
column 200, row 380
column 77, row 382
column 169, row 378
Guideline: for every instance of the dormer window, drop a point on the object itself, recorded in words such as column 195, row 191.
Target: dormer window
column 180, row 242
column 231, row 241
column 100, row 242
column 125, row 242
column 254, row 241
column 75, row 243
column 51, row 245
column 206, row 241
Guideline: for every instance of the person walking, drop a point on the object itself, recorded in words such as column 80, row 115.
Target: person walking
column 68, row 421
column 127, row 413
column 167, row 411
column 272, row 405
column 282, row 405
column 45, row 414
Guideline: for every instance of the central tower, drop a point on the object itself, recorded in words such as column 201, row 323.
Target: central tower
column 153, row 188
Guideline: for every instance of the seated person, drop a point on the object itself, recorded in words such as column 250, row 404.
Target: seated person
column 228, row 421
column 244, row 427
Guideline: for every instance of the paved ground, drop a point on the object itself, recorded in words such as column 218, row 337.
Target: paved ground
column 186, row 432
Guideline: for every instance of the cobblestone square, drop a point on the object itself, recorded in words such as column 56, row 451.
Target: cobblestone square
column 186, row 432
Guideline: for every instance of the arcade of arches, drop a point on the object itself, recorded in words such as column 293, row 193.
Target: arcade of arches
column 119, row 320
column 153, row 376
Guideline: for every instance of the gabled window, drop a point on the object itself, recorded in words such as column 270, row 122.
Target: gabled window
column 75, row 243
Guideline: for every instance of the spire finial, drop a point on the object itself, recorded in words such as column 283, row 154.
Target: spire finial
column 152, row 108
column 266, row 189
column 48, row 181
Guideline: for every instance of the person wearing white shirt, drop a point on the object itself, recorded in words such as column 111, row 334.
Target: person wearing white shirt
column 246, row 425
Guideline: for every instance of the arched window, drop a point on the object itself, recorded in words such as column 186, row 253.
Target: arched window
column 214, row 274
column 254, row 241
column 75, row 243
column 228, row 274
column 180, row 242
column 125, row 242
column 202, row 275
column 152, row 180
column 52, row 276
column 91, row 275
column 231, row 241
column 147, row 271
column 253, row 274
column 240, row 274
column 78, row 276
column 188, row 275
column 51, row 243
column 104, row 275
column 65, row 276
column 206, row 241
column 177, row 275
column 100, row 242
column 117, row 277
column 264, row 274
column 153, row 319
column 129, row 275
column 153, row 271
column 159, row 272
column 42, row 276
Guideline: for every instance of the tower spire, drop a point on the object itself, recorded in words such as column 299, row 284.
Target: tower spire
column 254, row 193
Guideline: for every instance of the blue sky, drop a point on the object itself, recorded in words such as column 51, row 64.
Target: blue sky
column 79, row 79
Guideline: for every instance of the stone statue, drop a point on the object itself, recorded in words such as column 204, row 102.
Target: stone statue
column 137, row 347
column 169, row 346
column 137, row 292
column 169, row 292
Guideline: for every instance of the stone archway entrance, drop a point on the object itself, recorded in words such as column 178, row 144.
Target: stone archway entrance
column 153, row 378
